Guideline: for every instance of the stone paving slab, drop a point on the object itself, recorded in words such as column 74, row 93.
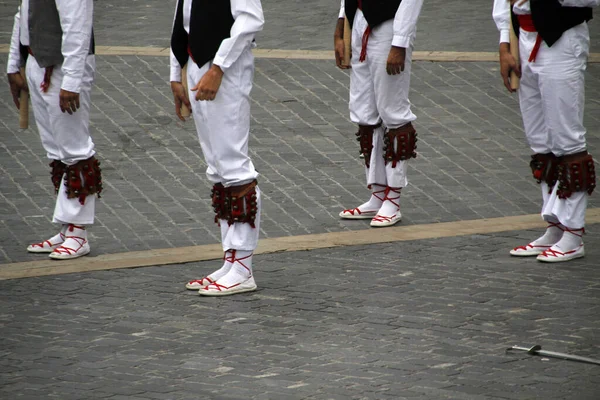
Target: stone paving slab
column 294, row 24
column 415, row 320
column 428, row 319
column 179, row 255
column 156, row 195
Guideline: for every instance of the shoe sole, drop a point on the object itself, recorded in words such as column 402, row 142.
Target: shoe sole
column 385, row 224
column 560, row 259
column 69, row 257
column 36, row 250
column 195, row 287
column 360, row 216
column 526, row 253
column 227, row 292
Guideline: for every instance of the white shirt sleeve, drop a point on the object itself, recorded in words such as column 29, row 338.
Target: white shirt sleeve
column 501, row 15
column 580, row 3
column 175, row 68
column 76, row 17
column 14, row 54
column 248, row 20
column 405, row 22
column 342, row 9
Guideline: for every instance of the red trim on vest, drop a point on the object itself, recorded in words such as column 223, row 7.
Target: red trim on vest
column 45, row 85
column 189, row 50
column 365, row 38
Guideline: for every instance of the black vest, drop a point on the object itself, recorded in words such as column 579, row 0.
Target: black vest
column 375, row 11
column 551, row 19
column 210, row 24
column 45, row 34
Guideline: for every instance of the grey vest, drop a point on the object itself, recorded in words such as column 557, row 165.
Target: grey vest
column 45, row 33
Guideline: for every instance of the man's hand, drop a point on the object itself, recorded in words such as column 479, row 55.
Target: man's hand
column 69, row 101
column 395, row 61
column 181, row 97
column 17, row 84
column 339, row 53
column 508, row 64
column 338, row 44
column 209, row 84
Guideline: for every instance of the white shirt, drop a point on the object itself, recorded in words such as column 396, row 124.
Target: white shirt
column 501, row 13
column 405, row 21
column 248, row 21
column 76, row 17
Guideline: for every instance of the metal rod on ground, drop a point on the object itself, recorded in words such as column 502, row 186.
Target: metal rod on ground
column 537, row 351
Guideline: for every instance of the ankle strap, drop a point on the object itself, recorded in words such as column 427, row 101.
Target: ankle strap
column 575, row 231
column 555, row 225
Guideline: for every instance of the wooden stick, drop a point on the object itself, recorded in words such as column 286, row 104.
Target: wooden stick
column 185, row 111
column 24, row 105
column 347, row 42
column 514, row 50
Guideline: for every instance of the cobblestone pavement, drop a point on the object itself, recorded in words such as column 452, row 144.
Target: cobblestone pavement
column 294, row 24
column 156, row 195
column 417, row 320
column 427, row 319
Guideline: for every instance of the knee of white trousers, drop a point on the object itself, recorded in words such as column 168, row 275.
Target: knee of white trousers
column 363, row 112
column 230, row 171
column 242, row 236
column 362, row 104
column 245, row 173
column 397, row 113
column 71, row 211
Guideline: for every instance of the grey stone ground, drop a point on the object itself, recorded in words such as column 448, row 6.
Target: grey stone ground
column 427, row 319
column 423, row 320
column 293, row 24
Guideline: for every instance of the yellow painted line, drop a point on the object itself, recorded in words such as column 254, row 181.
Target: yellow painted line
column 437, row 56
column 281, row 244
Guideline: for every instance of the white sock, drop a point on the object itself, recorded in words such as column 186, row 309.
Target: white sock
column 391, row 203
column 74, row 235
column 221, row 272
column 553, row 233
column 59, row 237
column 376, row 199
column 571, row 240
column 241, row 269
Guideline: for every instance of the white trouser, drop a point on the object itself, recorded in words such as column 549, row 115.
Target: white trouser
column 378, row 97
column 552, row 97
column 65, row 137
column 223, row 127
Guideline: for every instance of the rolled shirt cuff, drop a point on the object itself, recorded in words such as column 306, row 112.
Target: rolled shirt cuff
column 219, row 62
column 71, row 84
column 401, row 41
column 13, row 67
column 176, row 74
column 504, row 36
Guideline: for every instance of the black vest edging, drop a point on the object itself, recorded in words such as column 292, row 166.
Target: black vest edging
column 375, row 11
column 210, row 24
column 551, row 19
